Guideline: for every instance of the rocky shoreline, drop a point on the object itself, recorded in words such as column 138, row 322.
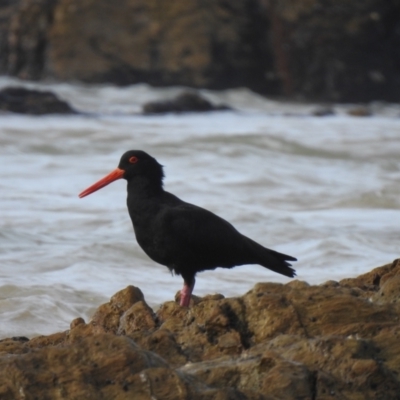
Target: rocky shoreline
column 337, row 340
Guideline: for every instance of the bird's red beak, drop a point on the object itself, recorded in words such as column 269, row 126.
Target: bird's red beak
column 111, row 177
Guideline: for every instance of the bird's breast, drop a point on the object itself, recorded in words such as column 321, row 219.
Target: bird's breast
column 153, row 239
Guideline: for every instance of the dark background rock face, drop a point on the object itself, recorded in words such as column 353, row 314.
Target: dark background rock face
column 24, row 37
column 194, row 43
column 336, row 49
column 331, row 50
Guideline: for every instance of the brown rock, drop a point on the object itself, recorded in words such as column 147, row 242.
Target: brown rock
column 394, row 270
column 321, row 370
column 100, row 367
column 371, row 281
column 210, row 329
column 76, row 322
column 331, row 341
column 163, row 343
column 108, row 315
column 125, row 298
column 139, row 317
column 180, row 43
column 52, row 368
column 14, row 345
column 389, row 291
column 359, row 111
column 271, row 312
column 266, row 373
column 45, row 341
column 346, row 367
column 341, row 311
column 387, row 346
column 80, row 331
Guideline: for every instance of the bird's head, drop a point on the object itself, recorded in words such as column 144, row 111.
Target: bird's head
column 134, row 163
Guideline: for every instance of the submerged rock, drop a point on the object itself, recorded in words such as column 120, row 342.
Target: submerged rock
column 323, row 111
column 360, row 111
column 28, row 101
column 292, row 341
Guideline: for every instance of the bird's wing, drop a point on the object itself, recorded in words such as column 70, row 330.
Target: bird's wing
column 203, row 238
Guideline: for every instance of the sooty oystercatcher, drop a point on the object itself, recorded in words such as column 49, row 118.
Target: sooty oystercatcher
column 185, row 238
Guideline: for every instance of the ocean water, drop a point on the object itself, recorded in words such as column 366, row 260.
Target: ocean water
column 323, row 189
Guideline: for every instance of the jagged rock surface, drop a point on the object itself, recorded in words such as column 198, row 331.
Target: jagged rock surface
column 338, row 340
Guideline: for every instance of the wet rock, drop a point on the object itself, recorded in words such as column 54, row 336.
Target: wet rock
column 334, row 340
column 360, row 111
column 323, row 111
column 185, row 102
column 27, row 101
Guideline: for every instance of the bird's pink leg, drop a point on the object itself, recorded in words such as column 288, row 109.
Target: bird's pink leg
column 186, row 294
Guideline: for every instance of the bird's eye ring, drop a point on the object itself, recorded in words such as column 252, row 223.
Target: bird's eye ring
column 133, row 160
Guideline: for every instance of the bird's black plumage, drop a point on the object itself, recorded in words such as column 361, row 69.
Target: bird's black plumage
column 184, row 237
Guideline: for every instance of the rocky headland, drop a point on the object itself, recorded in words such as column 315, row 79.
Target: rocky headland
column 337, row 340
column 341, row 51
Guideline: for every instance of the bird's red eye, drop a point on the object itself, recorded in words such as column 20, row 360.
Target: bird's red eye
column 133, row 160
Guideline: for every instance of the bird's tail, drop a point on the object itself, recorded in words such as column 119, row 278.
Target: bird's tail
column 273, row 260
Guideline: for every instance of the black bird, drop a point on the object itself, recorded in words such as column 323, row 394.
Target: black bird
column 185, row 238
